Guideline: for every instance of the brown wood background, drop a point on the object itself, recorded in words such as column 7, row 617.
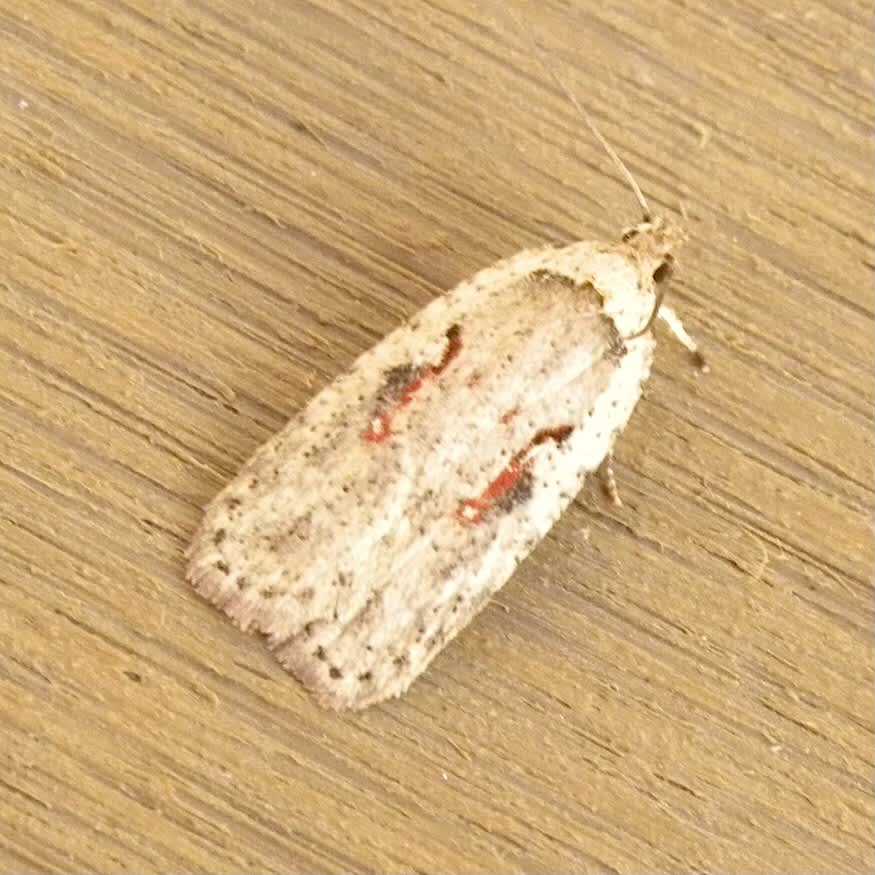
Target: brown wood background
column 208, row 209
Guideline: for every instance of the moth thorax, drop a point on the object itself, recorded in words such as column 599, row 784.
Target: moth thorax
column 631, row 306
column 627, row 291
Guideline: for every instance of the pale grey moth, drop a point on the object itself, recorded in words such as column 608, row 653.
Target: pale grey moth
column 366, row 535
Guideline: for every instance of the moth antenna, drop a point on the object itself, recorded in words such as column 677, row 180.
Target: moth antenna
column 618, row 163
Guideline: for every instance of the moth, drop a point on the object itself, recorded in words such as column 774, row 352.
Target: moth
column 364, row 536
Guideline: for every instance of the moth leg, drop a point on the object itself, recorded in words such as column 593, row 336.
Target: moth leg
column 672, row 320
column 609, row 481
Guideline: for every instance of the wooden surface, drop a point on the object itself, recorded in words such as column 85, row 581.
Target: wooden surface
column 209, row 209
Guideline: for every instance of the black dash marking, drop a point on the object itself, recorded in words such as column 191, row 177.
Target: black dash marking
column 544, row 277
column 560, row 435
column 616, row 349
column 219, row 536
column 519, row 493
column 335, row 672
column 395, row 381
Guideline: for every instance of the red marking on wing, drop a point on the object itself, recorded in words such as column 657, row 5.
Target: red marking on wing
column 381, row 425
column 474, row 510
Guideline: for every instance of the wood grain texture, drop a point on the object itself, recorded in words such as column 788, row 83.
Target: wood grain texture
column 209, row 209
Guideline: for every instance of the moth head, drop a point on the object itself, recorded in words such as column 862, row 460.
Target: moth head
column 651, row 244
